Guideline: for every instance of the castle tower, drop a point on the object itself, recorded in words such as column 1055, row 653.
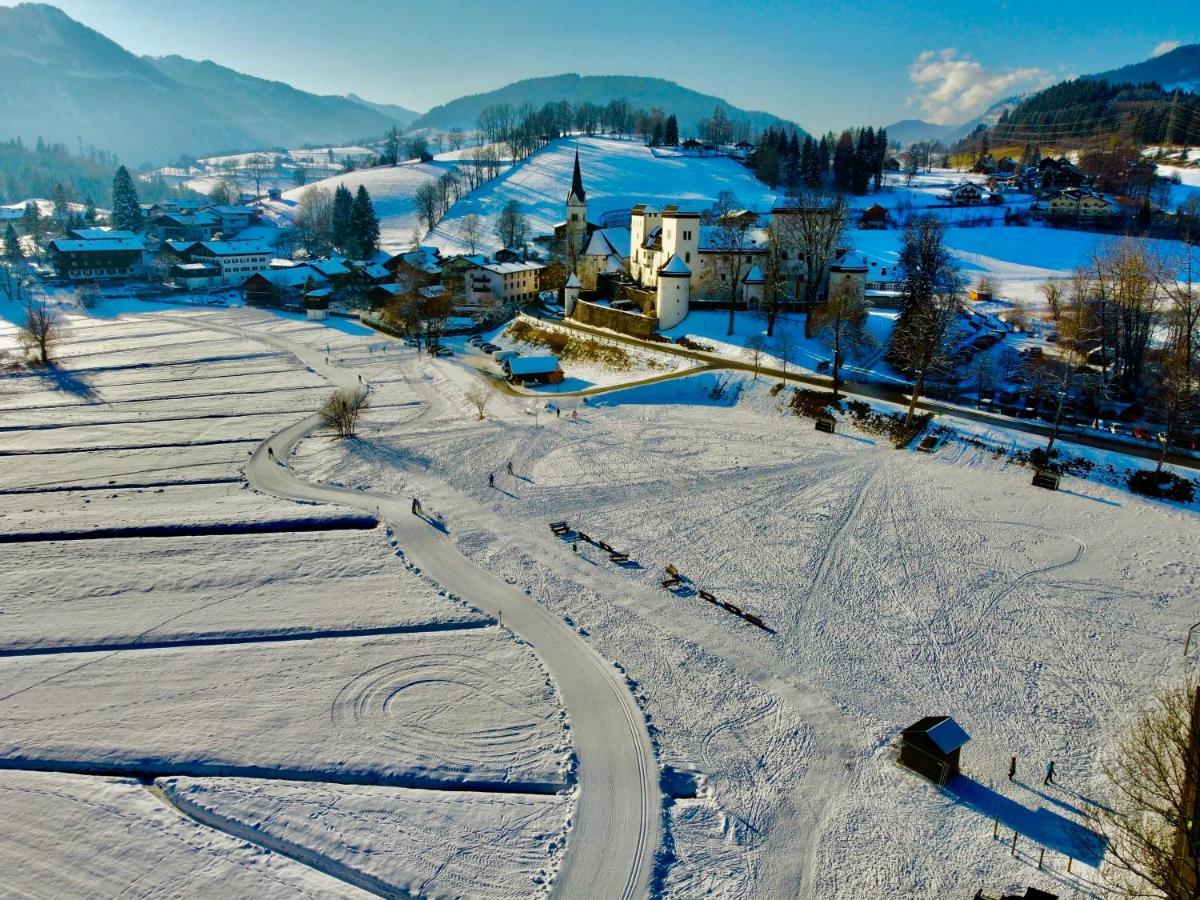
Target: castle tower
column 672, row 293
column 577, row 209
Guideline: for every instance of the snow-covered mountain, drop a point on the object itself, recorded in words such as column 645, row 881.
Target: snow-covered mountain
column 66, row 83
column 908, row 131
column 688, row 106
column 401, row 114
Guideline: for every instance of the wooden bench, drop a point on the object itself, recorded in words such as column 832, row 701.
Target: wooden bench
column 829, row 426
column 705, row 595
column 675, row 580
column 736, row 610
column 754, row 620
column 584, row 537
column 618, row 557
column 559, row 528
column 603, row 546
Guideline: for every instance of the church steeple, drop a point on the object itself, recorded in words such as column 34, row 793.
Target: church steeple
column 577, row 194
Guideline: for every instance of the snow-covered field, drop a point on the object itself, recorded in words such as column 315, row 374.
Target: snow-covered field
column 617, row 175
column 893, row 585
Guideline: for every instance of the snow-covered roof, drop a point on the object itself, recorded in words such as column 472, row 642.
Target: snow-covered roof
column 64, row 246
column 946, row 734
column 608, row 241
column 376, row 270
column 102, row 234
column 432, row 291
column 573, row 281
column 196, row 268
column 331, row 268
column 754, row 276
column 712, row 240
column 531, row 365
column 296, row 277
column 233, row 210
column 513, row 267
column 235, row 248
column 675, row 266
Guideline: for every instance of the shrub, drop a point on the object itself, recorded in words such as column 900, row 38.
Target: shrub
column 806, row 402
column 569, row 348
column 1163, row 485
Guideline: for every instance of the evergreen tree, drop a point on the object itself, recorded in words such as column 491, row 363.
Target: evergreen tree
column 340, row 225
column 126, row 210
column 12, row 245
column 824, row 157
column 656, row 135
column 860, row 168
column 843, row 163
column 32, row 222
column 364, row 225
column 89, row 213
column 62, row 206
column 881, row 155
column 671, row 133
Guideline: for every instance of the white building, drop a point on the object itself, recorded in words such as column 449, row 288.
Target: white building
column 237, row 260
column 514, row 282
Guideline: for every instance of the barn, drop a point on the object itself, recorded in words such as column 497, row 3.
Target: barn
column 931, row 747
column 536, row 369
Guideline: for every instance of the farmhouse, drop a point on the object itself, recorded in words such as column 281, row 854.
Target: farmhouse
column 507, row 282
column 1078, row 204
column 99, row 259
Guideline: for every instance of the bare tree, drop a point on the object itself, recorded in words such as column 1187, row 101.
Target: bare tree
column 511, row 226
column 1177, row 276
column 1151, row 788
column 471, row 230
column 785, row 347
column 341, row 411
column 816, row 228
column 731, row 233
column 257, row 166
column 478, row 396
column 1052, row 290
column 756, row 349
column 932, row 288
column 41, row 329
column 842, row 321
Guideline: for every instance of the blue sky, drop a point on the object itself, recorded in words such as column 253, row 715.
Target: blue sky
column 825, row 65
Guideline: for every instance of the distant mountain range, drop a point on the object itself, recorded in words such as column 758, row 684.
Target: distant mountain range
column 909, row 131
column 404, row 116
column 688, row 106
column 66, row 83
column 1178, row 68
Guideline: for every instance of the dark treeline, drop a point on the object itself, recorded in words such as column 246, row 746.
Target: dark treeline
column 1076, row 110
column 52, row 171
column 851, row 162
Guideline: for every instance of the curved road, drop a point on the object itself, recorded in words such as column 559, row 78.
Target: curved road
column 615, row 831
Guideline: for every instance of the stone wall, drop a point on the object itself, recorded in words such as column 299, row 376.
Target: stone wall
column 615, row 319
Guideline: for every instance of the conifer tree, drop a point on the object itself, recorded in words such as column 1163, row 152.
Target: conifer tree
column 671, row 133
column 364, row 225
column 126, row 211
column 343, row 210
column 843, row 163
column 12, row 245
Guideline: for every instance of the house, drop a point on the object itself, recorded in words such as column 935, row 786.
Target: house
column 316, row 303
column 185, row 226
column 507, row 282
column 1078, row 204
column 533, row 369
column 509, row 254
column 98, row 260
column 100, row 234
column 196, row 276
column 237, row 260
column 965, row 194
column 232, row 220
column 874, row 217
column 606, row 252
column 931, row 747
column 1058, row 174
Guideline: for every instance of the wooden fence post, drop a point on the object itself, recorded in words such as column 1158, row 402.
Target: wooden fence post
column 1013, row 852
column 995, row 826
column 1041, row 856
column 1069, row 861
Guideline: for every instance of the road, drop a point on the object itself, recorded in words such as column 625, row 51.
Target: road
column 897, row 395
column 617, row 821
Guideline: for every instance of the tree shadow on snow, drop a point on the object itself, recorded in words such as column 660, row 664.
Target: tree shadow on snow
column 68, row 381
column 1043, row 826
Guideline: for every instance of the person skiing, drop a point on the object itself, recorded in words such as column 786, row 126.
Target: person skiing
column 1012, row 768
column 1049, row 779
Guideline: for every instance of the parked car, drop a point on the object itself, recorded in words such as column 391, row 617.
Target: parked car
column 475, row 340
column 443, row 352
column 506, row 354
column 489, row 348
column 1143, row 434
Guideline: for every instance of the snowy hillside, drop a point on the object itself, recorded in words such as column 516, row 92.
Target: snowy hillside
column 617, row 175
column 392, row 189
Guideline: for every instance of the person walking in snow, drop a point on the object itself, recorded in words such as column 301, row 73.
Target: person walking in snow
column 416, row 506
column 1049, row 779
column 1012, row 768
column 510, row 471
column 491, row 479
column 270, row 454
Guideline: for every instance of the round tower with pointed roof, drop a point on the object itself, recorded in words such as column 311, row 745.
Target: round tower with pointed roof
column 577, row 209
column 673, row 292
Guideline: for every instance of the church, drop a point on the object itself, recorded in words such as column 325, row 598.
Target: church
column 590, row 250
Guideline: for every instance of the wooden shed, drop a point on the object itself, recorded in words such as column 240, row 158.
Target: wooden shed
column 537, row 369
column 931, row 747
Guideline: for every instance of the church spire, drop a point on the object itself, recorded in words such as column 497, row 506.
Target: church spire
column 577, row 192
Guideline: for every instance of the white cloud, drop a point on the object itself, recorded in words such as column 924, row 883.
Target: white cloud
column 1165, row 47
column 953, row 88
